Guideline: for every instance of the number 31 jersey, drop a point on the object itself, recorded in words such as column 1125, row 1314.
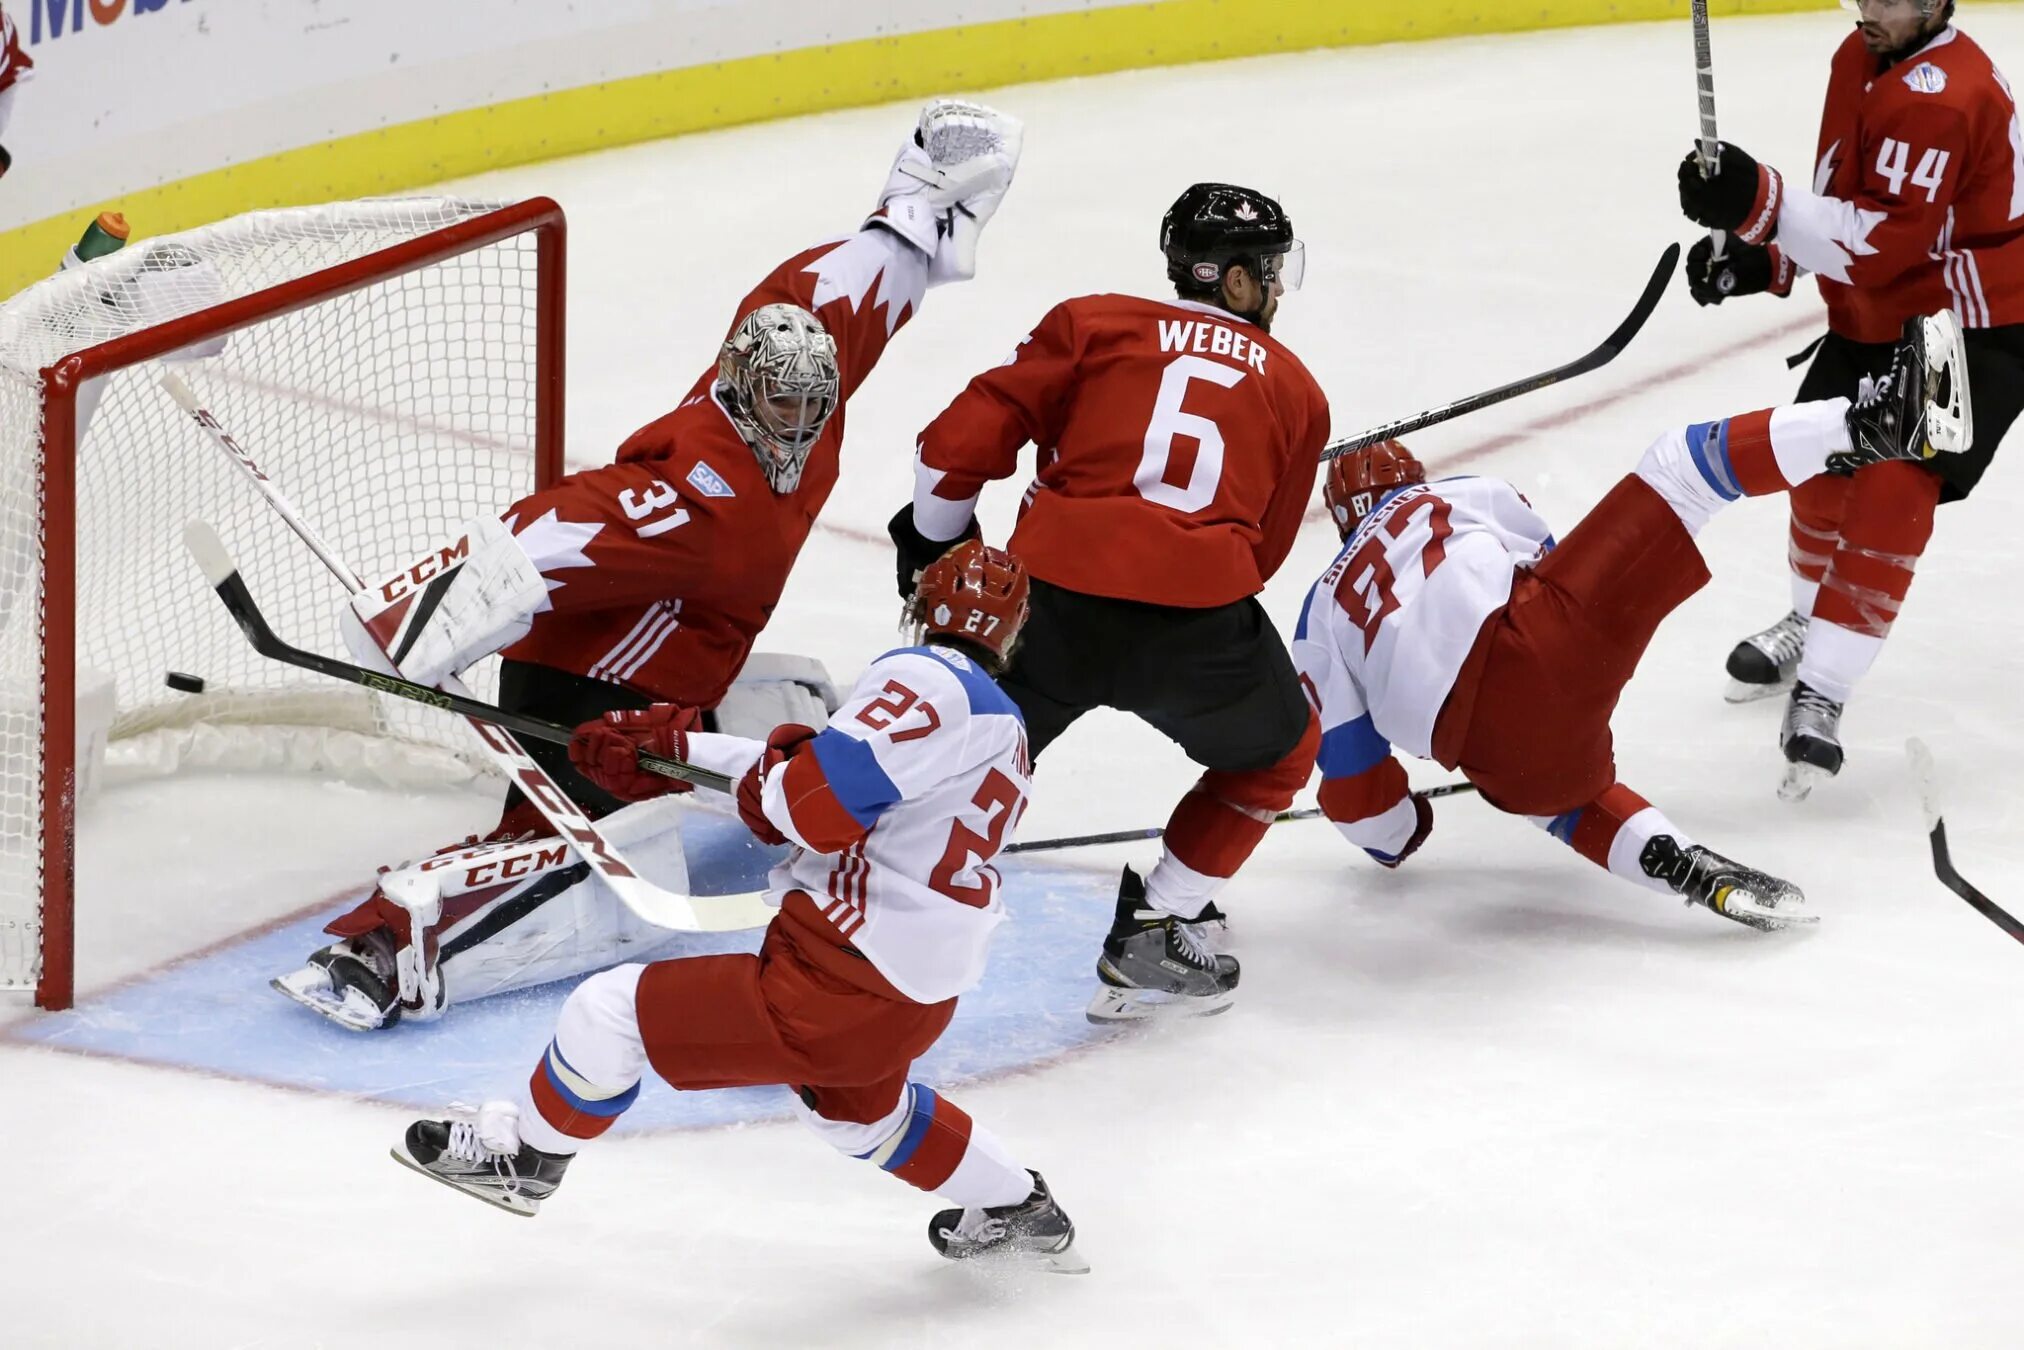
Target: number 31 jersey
column 1385, row 631
column 899, row 806
column 1178, row 445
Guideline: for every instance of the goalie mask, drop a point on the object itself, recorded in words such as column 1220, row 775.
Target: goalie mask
column 1357, row 481
column 777, row 377
column 974, row 595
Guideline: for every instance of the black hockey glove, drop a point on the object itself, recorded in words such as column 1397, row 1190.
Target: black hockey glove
column 916, row 550
column 1743, row 269
column 1742, row 197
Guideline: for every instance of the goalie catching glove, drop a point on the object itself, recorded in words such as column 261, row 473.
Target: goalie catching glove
column 947, row 183
column 607, row 749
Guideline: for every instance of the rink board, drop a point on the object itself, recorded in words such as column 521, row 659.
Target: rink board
column 214, row 1013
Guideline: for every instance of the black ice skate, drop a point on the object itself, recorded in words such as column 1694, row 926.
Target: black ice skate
column 1732, row 890
column 471, row 1156
column 1154, row 964
column 1034, row 1232
column 1920, row 407
column 1811, row 740
column 351, row 982
column 1766, row 663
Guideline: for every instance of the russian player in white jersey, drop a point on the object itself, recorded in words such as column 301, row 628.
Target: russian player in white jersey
column 887, row 906
column 1453, row 626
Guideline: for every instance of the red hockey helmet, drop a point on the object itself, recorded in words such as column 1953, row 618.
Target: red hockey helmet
column 1356, row 480
column 975, row 595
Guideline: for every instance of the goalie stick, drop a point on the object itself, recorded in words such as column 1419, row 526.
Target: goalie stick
column 1133, row 836
column 654, row 904
column 1943, row 859
column 1612, row 347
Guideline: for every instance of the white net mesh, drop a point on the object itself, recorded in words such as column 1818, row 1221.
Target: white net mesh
column 389, row 416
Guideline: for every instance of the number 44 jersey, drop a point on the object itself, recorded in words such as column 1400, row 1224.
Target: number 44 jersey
column 1385, row 631
column 1178, row 445
column 898, row 806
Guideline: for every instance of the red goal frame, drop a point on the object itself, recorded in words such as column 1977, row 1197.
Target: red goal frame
column 57, row 514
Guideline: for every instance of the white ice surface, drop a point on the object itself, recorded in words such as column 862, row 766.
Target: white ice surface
column 1493, row 1099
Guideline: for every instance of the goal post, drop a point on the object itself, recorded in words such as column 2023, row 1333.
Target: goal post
column 397, row 367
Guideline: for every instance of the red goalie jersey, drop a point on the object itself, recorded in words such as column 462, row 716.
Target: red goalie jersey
column 1178, row 445
column 1918, row 200
column 663, row 567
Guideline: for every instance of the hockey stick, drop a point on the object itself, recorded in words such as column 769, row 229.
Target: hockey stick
column 663, row 908
column 1943, row 859
column 1133, row 836
column 1612, row 347
column 1711, row 141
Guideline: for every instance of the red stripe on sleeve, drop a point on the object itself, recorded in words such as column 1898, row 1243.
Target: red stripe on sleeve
column 1750, row 455
column 819, row 818
column 942, row 1148
column 1373, row 792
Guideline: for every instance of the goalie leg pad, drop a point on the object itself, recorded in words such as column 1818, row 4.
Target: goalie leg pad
column 774, row 689
column 450, row 608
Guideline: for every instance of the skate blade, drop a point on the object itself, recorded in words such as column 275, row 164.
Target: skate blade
column 352, row 1016
column 1113, row 1004
column 1744, row 908
column 512, row 1204
column 1740, row 691
column 1799, row 781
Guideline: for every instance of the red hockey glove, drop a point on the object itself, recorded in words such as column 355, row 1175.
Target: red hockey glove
column 780, row 747
column 607, row 750
column 1423, row 811
column 1742, row 196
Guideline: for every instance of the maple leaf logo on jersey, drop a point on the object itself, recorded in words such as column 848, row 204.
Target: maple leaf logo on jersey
column 1245, row 211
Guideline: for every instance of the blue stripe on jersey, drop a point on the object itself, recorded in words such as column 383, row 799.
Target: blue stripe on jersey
column 984, row 694
column 1708, row 442
column 916, row 1128
column 860, row 782
column 601, row 1107
column 1352, row 748
column 1561, row 827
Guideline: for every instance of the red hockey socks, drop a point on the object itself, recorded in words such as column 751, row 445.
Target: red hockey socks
column 1886, row 521
column 1219, row 823
column 1612, row 831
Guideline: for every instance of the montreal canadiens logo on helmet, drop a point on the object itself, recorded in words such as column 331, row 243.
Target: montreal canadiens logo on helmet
column 1207, row 271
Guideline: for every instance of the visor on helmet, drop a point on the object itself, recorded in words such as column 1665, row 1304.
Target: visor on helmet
column 1288, row 268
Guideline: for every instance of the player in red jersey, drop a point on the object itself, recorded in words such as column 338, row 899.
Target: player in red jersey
column 14, row 68
column 1178, row 445
column 1916, row 205
column 647, row 581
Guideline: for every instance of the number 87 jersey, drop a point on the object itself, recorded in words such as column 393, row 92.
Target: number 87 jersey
column 1178, row 445
column 899, row 805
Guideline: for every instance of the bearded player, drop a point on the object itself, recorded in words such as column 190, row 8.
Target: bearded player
column 1916, row 204
column 646, row 582
column 1452, row 625
column 1178, row 441
column 887, row 908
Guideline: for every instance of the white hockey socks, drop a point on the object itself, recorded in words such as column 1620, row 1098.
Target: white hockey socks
column 931, row 1143
column 591, row 1071
column 1612, row 832
column 1702, row 468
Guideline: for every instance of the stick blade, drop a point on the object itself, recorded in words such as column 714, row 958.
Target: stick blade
column 209, row 550
column 1925, row 776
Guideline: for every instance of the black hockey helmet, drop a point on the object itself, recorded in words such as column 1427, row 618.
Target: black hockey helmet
column 1214, row 225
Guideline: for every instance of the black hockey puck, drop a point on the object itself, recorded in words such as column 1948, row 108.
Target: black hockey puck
column 188, row 684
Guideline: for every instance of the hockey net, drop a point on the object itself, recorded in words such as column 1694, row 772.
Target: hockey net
column 394, row 366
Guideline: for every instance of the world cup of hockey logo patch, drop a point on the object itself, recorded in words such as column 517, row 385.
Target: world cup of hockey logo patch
column 1926, row 79
column 709, row 482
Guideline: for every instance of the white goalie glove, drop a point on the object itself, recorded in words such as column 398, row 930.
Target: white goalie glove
column 947, row 182
column 773, row 689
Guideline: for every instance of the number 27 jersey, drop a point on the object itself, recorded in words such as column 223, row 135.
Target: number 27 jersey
column 1177, row 450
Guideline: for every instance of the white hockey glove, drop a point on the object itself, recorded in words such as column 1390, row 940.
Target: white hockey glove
column 947, row 182
column 775, row 688
column 449, row 608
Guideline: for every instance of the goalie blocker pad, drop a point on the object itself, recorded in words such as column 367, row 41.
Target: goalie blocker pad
column 448, row 609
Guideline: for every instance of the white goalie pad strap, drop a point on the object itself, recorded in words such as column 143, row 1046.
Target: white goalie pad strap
column 451, row 607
